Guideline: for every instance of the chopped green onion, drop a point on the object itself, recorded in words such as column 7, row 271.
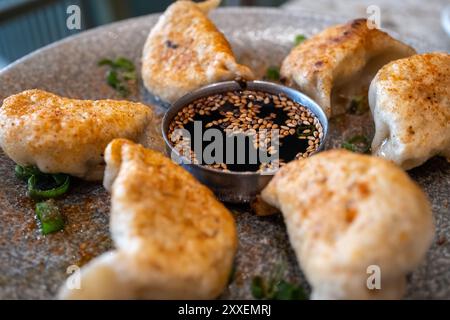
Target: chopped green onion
column 49, row 216
column 119, row 63
column 106, row 62
column 258, row 288
column 38, row 181
column 288, row 291
column 358, row 143
column 299, row 39
column 47, row 212
column 276, row 290
column 273, row 73
column 358, row 105
column 24, row 173
column 114, row 82
column 62, row 186
column 129, row 75
column 121, row 71
column 112, row 78
column 125, row 64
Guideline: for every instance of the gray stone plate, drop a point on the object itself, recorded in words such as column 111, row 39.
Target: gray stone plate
column 33, row 266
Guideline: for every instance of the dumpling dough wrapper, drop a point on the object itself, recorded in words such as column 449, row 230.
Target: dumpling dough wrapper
column 410, row 103
column 338, row 63
column 347, row 214
column 185, row 51
column 173, row 239
column 63, row 135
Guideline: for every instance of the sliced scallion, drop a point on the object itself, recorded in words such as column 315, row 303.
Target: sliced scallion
column 258, row 288
column 273, row 73
column 124, row 63
column 358, row 143
column 288, row 291
column 299, row 39
column 24, row 173
column 49, row 216
column 62, row 186
column 121, row 71
column 276, row 290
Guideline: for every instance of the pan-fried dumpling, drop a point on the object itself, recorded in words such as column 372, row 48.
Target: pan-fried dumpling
column 185, row 51
column 173, row 239
column 410, row 103
column 340, row 62
column 61, row 135
column 347, row 214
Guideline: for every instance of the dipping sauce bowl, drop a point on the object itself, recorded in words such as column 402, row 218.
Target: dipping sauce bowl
column 238, row 186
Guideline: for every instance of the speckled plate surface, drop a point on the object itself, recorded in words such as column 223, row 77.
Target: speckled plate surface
column 33, row 266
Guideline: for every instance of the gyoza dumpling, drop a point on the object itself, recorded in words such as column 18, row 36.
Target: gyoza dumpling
column 410, row 103
column 346, row 212
column 61, row 135
column 185, row 51
column 173, row 239
column 340, row 62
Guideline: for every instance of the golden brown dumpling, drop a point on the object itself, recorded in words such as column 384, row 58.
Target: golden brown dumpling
column 62, row 135
column 173, row 239
column 185, row 51
column 347, row 213
column 340, row 62
column 410, row 103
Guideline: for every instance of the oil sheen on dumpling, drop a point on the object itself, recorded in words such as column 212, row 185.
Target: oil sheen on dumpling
column 62, row 135
column 173, row 239
column 339, row 63
column 410, row 103
column 185, row 51
column 350, row 216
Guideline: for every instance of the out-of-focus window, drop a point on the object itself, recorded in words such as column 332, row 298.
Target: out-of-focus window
column 26, row 25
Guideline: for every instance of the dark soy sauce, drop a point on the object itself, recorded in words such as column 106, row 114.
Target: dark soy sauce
column 290, row 145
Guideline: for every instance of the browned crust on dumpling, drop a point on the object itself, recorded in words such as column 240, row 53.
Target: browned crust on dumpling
column 336, row 52
column 185, row 51
column 410, row 101
column 173, row 238
column 63, row 135
column 422, row 80
column 345, row 212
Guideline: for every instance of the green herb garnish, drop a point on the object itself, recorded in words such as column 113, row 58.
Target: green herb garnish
column 358, row 143
column 45, row 186
column 276, row 288
column 288, row 291
column 299, row 39
column 42, row 185
column 120, row 73
column 123, row 63
column 258, row 288
column 273, row 73
column 24, row 173
column 112, row 78
column 358, row 105
column 106, row 62
column 49, row 216
column 35, row 191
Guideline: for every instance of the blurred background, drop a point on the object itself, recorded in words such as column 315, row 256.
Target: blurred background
column 26, row 25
